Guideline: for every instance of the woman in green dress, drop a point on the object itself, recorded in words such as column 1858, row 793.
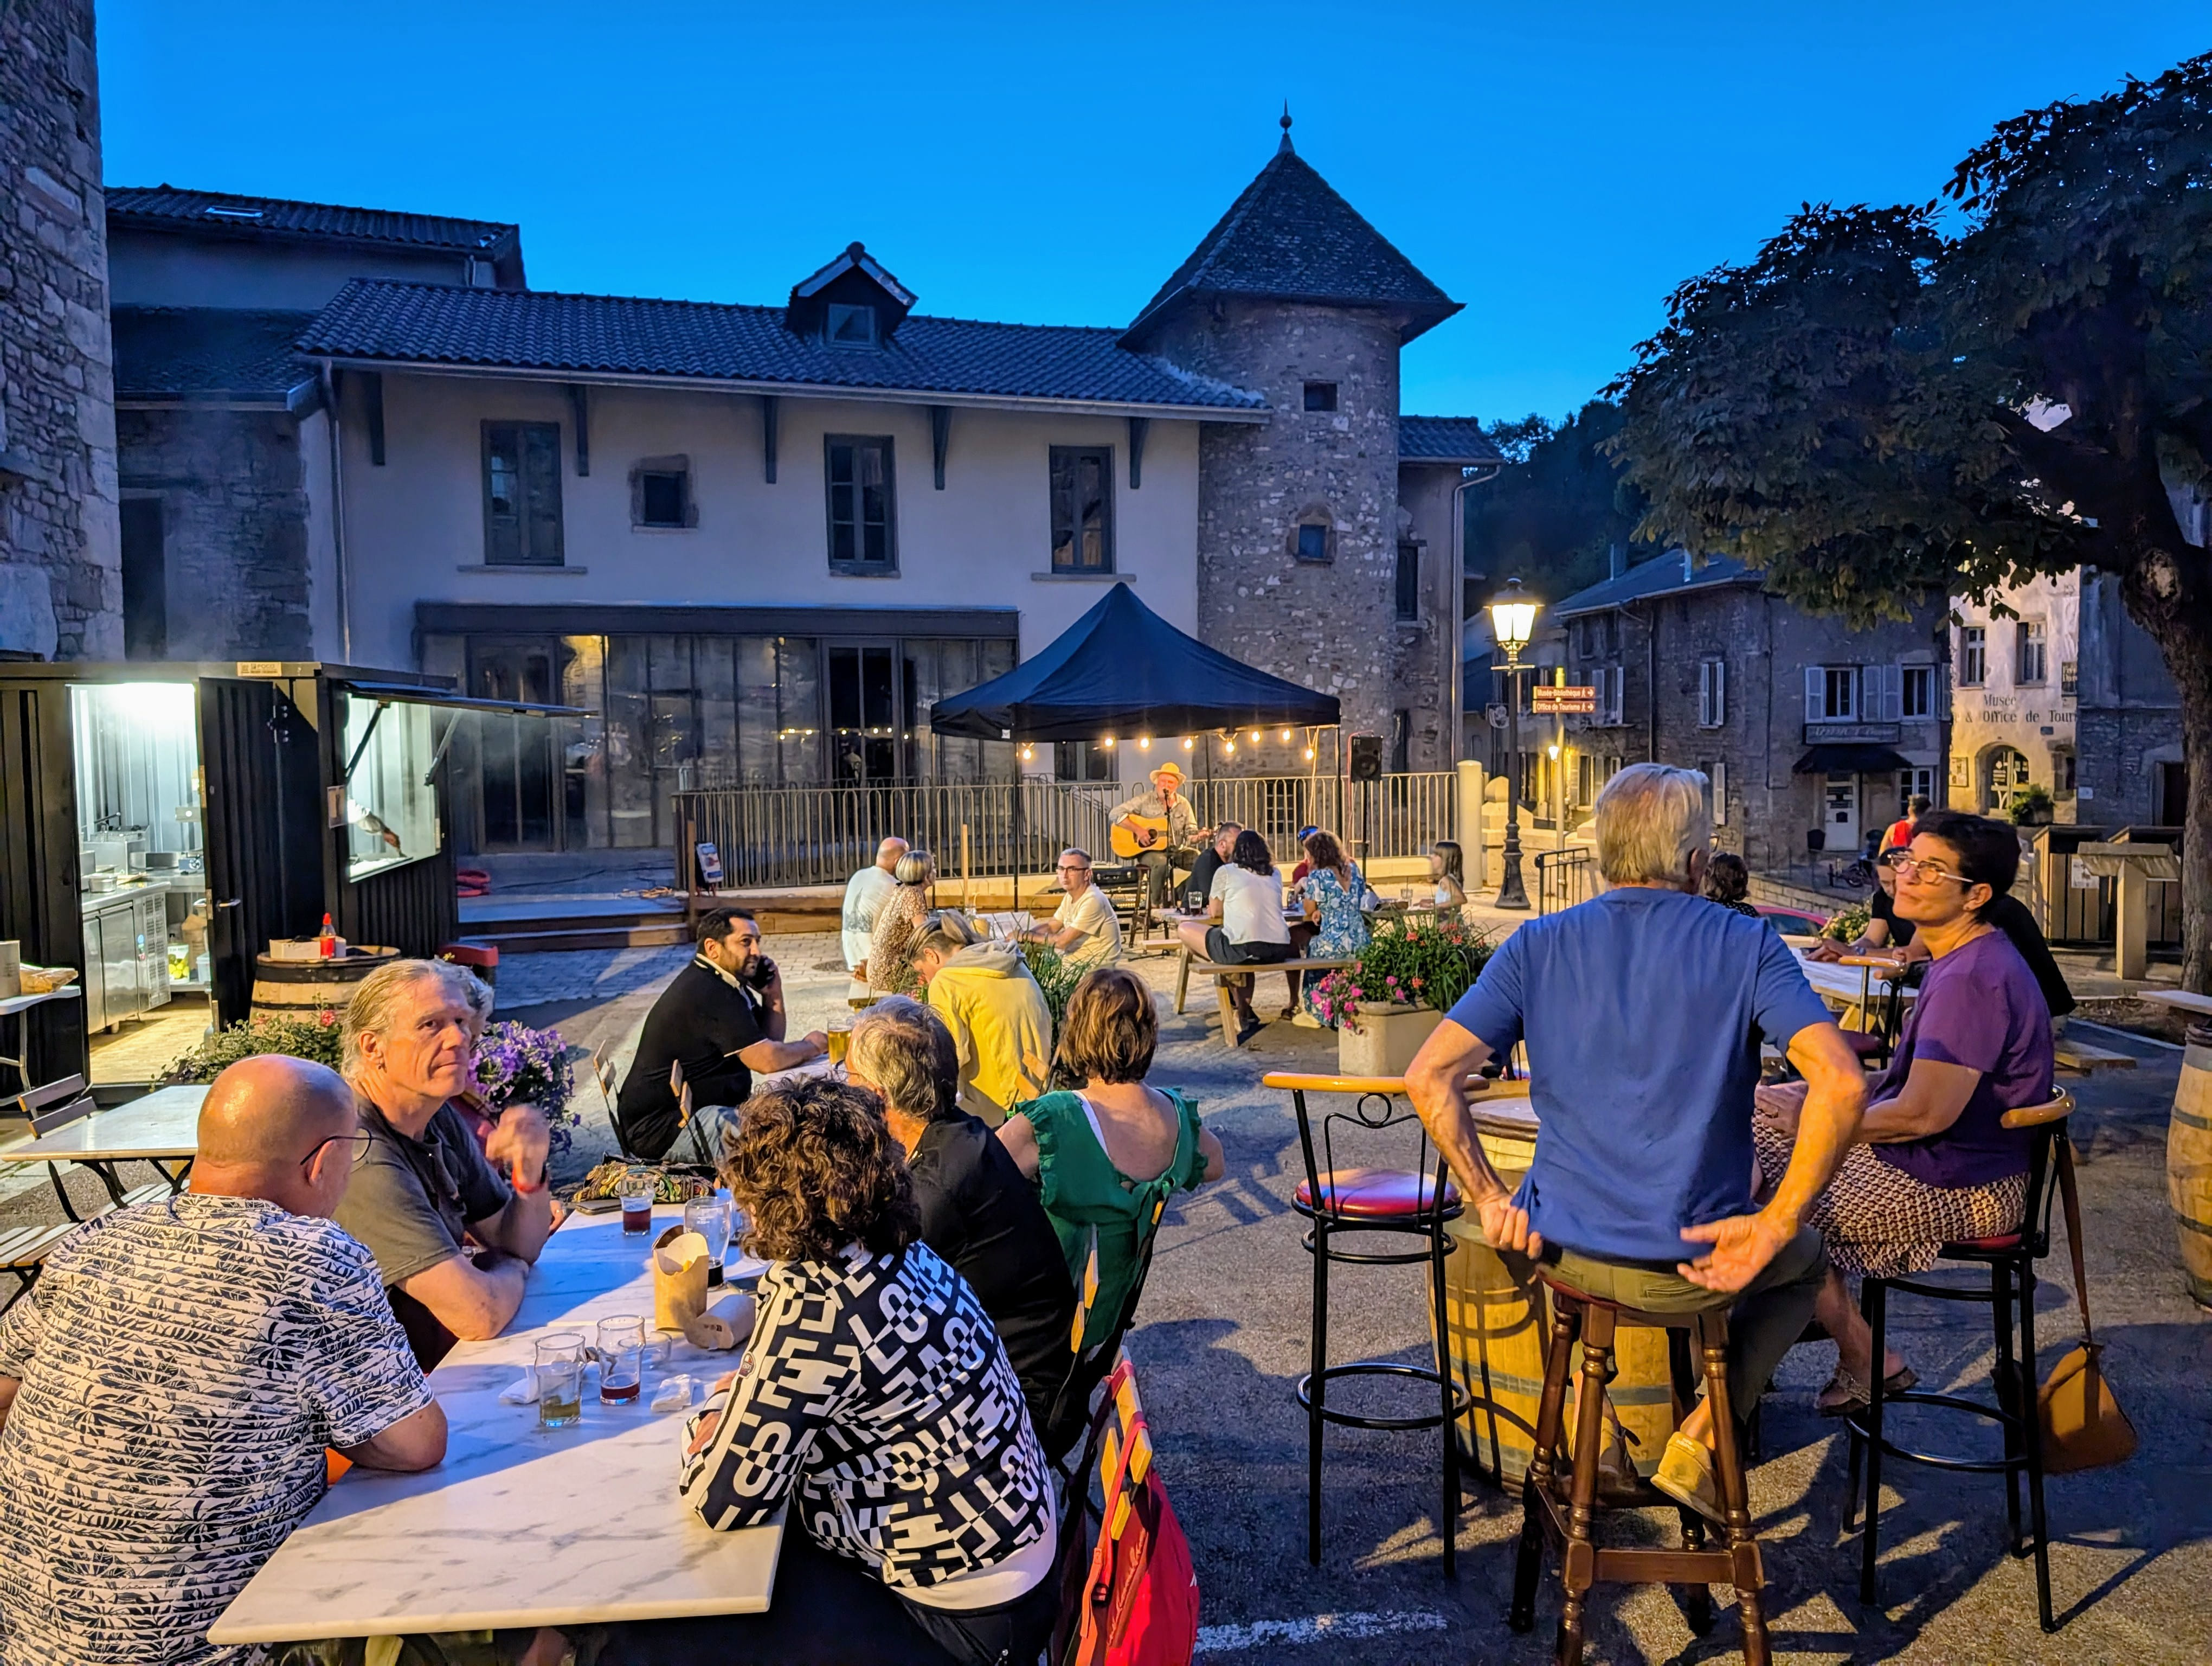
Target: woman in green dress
column 1107, row 1158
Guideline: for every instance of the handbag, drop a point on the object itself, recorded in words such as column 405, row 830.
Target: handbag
column 2083, row 1427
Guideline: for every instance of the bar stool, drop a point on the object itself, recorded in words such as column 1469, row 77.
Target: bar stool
column 1417, row 1202
column 2010, row 1296
column 1578, row 1315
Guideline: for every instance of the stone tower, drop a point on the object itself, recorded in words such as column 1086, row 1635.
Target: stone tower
column 1295, row 296
column 61, row 589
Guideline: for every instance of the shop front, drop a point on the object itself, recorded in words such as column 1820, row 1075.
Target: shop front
column 162, row 824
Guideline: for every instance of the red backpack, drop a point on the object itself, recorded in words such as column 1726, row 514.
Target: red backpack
column 1135, row 1602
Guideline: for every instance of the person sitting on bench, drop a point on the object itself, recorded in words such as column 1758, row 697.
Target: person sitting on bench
column 1244, row 924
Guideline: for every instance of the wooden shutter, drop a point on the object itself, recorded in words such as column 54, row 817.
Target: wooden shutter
column 1892, row 693
column 541, row 494
column 1816, row 693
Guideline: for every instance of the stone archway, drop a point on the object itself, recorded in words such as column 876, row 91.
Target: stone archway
column 2003, row 771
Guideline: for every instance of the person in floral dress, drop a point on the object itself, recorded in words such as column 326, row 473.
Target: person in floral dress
column 1331, row 894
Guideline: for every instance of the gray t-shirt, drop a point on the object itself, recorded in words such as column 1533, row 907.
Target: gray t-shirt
column 410, row 1200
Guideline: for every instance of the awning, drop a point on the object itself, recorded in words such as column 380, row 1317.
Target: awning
column 411, row 694
column 1836, row 758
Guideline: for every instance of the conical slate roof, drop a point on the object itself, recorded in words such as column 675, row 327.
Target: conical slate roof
column 1291, row 237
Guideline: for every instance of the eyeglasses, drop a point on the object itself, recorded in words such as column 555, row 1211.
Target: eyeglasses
column 1911, row 868
column 359, row 1141
column 1074, row 867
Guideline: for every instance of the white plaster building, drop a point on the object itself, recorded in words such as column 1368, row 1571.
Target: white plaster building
column 2014, row 663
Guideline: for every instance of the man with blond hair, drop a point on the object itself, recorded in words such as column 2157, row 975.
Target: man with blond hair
column 1643, row 1009
column 423, row 1185
column 168, row 1386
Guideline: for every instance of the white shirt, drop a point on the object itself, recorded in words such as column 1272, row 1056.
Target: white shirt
column 866, row 893
column 1094, row 916
column 1251, row 906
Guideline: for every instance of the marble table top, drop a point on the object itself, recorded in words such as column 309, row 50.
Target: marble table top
column 2180, row 997
column 1847, row 983
column 523, row 1526
column 164, row 1124
column 10, row 1005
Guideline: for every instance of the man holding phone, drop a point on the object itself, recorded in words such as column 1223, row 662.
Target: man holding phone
column 720, row 1019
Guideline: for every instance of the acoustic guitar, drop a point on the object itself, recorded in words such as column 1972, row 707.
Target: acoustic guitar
column 1128, row 847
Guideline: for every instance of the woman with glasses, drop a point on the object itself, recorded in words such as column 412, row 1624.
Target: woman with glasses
column 1939, row 1165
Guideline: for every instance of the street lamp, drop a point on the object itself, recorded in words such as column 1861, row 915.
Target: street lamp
column 1512, row 623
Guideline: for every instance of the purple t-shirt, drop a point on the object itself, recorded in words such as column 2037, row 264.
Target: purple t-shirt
column 1981, row 1007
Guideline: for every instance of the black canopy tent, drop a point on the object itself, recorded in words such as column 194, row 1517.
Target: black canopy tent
column 1123, row 670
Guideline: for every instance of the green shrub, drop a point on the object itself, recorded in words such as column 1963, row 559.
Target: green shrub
column 301, row 1038
column 1054, row 975
column 1412, row 962
column 2030, row 807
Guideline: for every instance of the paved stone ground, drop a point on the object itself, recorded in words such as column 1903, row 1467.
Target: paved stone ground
column 1225, row 1336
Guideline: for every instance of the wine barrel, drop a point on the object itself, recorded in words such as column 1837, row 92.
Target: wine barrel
column 1498, row 1325
column 2189, row 1163
column 309, row 988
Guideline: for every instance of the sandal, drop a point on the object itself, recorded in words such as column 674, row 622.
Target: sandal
column 1856, row 1396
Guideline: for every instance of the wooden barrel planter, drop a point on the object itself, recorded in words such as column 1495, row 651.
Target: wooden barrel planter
column 2189, row 1163
column 308, row 988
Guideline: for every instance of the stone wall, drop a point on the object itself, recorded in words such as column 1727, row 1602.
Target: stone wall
column 61, row 587
column 234, row 527
column 1328, row 625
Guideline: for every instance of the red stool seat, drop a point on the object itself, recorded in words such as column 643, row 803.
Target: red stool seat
column 1375, row 1193
column 2002, row 1241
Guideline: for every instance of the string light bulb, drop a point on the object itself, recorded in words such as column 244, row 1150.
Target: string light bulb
column 1144, row 742
column 1229, row 748
column 1286, row 739
column 1187, row 743
column 1027, row 753
column 1108, row 743
column 1309, row 755
column 1256, row 737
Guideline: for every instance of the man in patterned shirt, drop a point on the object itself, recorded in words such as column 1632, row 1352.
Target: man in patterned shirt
column 167, row 1387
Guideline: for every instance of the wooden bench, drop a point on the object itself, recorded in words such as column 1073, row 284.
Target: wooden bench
column 1220, row 975
column 2080, row 1059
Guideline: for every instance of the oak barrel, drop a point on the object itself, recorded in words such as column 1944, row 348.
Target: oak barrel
column 2189, row 1163
column 1498, row 1324
column 309, row 988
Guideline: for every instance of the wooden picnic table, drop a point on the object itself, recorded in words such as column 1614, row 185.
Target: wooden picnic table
column 522, row 1526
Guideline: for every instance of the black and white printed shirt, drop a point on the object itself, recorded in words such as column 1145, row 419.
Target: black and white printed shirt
column 876, row 1395
column 183, row 1364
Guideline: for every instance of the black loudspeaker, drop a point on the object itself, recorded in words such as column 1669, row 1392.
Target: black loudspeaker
column 1367, row 758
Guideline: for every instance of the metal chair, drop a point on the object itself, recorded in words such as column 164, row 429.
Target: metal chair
column 604, row 1075
column 2010, row 1297
column 1417, row 1202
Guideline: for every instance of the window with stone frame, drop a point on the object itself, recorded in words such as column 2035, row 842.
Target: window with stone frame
column 1320, row 395
column 660, row 493
column 2031, row 653
column 1916, row 692
column 522, row 493
column 1313, row 536
column 1974, row 655
column 1408, row 583
column 1082, row 484
column 1712, row 693
column 863, row 503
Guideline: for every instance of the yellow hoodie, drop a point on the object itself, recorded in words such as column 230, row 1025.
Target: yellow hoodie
column 1000, row 1022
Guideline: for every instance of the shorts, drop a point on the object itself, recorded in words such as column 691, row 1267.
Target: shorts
column 1222, row 952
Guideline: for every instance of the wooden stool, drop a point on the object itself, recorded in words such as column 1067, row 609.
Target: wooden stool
column 1582, row 1563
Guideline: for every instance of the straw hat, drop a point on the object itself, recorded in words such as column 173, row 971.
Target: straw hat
column 1173, row 771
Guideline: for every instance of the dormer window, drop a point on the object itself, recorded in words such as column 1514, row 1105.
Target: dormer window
column 845, row 326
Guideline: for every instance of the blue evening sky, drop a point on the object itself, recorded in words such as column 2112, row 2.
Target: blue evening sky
column 1558, row 168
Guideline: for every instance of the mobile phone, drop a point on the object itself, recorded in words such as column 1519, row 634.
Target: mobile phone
column 762, row 973
column 597, row 1206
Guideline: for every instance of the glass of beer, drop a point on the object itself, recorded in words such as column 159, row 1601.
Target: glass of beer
column 637, row 1190
column 840, row 1038
column 709, row 1217
column 620, row 1354
column 559, row 1369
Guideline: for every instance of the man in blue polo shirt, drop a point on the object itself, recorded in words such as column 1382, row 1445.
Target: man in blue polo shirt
column 1643, row 1011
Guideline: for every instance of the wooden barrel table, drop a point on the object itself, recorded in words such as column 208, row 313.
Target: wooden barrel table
column 2188, row 1162
column 1498, row 1323
column 308, row 989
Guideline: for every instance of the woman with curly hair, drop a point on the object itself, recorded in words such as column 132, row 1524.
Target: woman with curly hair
column 876, row 1400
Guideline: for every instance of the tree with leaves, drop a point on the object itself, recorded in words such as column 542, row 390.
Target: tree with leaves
column 1888, row 405
column 1556, row 516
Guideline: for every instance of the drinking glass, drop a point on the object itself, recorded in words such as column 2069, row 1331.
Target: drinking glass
column 839, row 1039
column 709, row 1217
column 620, row 1355
column 559, row 1369
column 636, row 1191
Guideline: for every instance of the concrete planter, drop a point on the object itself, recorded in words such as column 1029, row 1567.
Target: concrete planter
column 1383, row 1040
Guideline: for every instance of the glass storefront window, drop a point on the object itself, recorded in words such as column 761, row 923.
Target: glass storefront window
column 391, row 807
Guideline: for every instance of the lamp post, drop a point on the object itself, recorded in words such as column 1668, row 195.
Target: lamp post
column 1512, row 623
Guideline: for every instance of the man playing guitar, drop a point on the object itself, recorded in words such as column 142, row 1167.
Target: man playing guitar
column 1158, row 831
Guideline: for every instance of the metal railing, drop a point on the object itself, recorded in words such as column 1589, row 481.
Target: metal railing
column 769, row 837
column 1565, row 878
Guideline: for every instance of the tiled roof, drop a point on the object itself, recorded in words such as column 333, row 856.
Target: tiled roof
column 613, row 335
column 1291, row 237
column 167, row 205
column 1444, row 440
column 1656, row 577
column 207, row 352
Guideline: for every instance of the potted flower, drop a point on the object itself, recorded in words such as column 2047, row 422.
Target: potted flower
column 1384, row 1005
column 516, row 1065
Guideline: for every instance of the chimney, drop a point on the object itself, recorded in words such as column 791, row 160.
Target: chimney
column 1616, row 560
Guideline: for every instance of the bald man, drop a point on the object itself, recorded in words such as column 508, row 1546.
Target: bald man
column 167, row 1387
column 866, row 893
